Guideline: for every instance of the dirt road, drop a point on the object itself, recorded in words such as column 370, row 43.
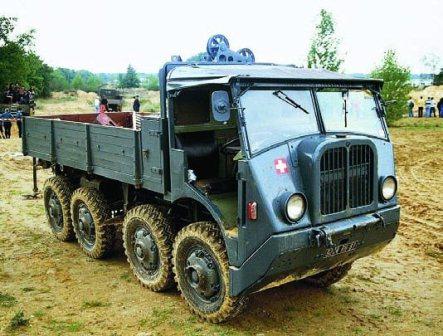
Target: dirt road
column 399, row 291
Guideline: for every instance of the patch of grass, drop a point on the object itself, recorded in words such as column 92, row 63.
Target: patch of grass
column 126, row 276
column 28, row 289
column 61, row 327
column 7, row 300
column 18, row 320
column 160, row 315
column 93, row 304
column 39, row 313
column 348, row 299
column 375, row 316
column 394, row 311
column 358, row 331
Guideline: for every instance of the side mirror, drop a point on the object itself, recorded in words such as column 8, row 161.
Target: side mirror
column 220, row 106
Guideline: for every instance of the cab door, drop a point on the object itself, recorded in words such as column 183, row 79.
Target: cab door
column 152, row 154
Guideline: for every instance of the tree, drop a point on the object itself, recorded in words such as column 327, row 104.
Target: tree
column 93, row 83
column 130, row 79
column 58, row 82
column 151, row 83
column 18, row 63
column 396, row 85
column 77, row 82
column 323, row 52
column 438, row 79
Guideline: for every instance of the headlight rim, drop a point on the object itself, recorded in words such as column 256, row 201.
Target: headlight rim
column 383, row 180
column 285, row 207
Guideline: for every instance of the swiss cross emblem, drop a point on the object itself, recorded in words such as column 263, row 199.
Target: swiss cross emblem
column 281, row 166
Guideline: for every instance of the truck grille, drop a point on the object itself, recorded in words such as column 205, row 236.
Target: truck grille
column 343, row 170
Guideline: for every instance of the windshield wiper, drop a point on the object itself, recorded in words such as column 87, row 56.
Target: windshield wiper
column 283, row 96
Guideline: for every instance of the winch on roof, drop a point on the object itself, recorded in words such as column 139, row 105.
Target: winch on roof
column 217, row 51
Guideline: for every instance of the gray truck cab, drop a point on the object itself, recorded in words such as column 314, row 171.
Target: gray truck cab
column 292, row 164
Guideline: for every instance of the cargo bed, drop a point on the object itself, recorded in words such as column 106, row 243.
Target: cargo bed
column 118, row 153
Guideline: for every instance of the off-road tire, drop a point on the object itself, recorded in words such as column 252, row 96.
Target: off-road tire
column 206, row 234
column 327, row 278
column 160, row 228
column 98, row 208
column 63, row 190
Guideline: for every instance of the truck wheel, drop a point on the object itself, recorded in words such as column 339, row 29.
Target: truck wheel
column 89, row 214
column 57, row 193
column 327, row 278
column 147, row 239
column 202, row 273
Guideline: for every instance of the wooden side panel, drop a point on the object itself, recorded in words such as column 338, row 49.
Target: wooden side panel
column 37, row 138
column 115, row 153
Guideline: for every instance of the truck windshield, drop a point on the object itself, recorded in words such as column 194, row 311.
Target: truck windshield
column 350, row 111
column 270, row 119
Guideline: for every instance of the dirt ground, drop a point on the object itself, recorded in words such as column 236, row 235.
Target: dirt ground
column 398, row 291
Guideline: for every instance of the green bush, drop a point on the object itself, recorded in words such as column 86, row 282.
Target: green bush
column 396, row 85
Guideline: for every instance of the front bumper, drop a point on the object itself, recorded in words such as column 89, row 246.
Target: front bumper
column 313, row 250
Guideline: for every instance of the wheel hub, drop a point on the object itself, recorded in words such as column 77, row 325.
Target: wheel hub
column 86, row 224
column 202, row 275
column 55, row 212
column 145, row 249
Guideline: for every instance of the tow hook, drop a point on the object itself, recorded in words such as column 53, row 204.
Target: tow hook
column 382, row 220
column 321, row 236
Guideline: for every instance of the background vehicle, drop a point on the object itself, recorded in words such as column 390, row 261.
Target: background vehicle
column 249, row 172
column 114, row 97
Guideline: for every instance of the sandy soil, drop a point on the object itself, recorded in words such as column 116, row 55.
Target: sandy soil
column 398, row 291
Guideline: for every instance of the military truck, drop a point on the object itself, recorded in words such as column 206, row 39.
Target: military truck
column 249, row 173
column 114, row 97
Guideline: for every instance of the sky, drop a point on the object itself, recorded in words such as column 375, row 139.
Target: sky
column 107, row 35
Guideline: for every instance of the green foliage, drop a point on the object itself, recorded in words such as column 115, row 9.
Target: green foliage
column 396, row 85
column 77, row 82
column 151, row 83
column 18, row 63
column 58, row 81
column 438, row 79
column 130, row 79
column 18, row 320
column 7, row 300
column 323, row 52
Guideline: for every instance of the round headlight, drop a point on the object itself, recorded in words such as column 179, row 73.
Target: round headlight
column 388, row 188
column 295, row 207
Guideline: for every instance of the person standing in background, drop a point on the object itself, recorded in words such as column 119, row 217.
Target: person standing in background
column 421, row 105
column 410, row 105
column 428, row 107
column 96, row 104
column 136, row 104
column 440, row 107
column 432, row 110
column 135, row 116
column 7, row 124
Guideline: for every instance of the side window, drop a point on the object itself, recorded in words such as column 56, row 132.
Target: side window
column 192, row 107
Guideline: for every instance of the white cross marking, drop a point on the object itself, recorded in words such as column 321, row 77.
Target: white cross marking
column 281, row 166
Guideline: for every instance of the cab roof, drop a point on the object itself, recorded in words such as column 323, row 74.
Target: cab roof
column 199, row 74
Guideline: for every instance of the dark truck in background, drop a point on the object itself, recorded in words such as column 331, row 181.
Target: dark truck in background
column 249, row 173
column 114, row 98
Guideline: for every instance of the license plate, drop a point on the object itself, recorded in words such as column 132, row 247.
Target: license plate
column 343, row 248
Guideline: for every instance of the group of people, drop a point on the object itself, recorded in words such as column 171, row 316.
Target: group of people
column 16, row 94
column 426, row 108
column 6, row 125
